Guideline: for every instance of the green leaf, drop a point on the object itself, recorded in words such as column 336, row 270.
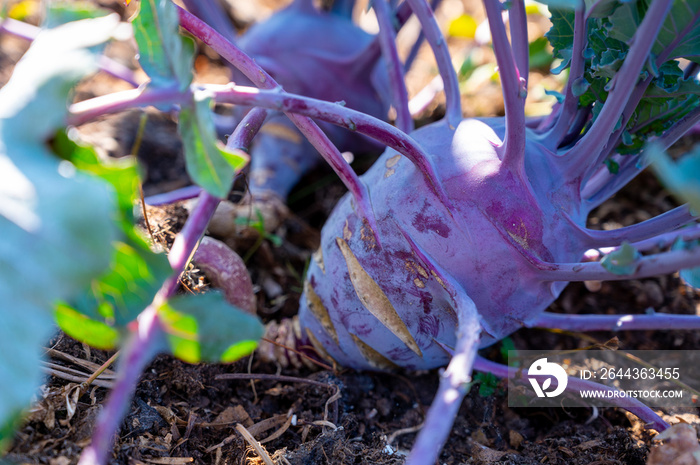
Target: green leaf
column 691, row 276
column 566, row 4
column 206, row 328
column 165, row 55
column 209, row 164
column 682, row 178
column 78, row 326
column 679, row 36
column 623, row 261
column 62, row 12
column 56, row 224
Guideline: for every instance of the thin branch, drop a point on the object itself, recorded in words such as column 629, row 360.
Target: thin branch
column 512, row 151
column 313, row 133
column 387, row 41
column 645, row 267
column 668, row 221
column 654, row 321
column 211, row 12
column 592, row 144
column 421, row 9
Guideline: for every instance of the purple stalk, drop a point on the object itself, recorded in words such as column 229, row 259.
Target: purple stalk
column 419, row 40
column 514, row 90
column 649, row 229
column 144, row 344
column 387, row 42
column 454, row 384
column 108, row 65
column 313, row 133
column 246, row 96
column 654, row 321
column 178, row 195
column 148, row 339
column 211, row 12
column 645, row 267
column 519, row 39
column 630, row 404
column 568, row 108
column 581, row 156
column 87, row 110
column 453, row 112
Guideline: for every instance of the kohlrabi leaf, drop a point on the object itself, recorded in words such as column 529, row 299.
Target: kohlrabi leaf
column 691, row 276
column 62, row 12
column 56, row 223
column 561, row 34
column 567, row 4
column 209, row 164
column 165, row 55
column 205, row 328
column 682, row 177
column 679, row 36
column 623, row 261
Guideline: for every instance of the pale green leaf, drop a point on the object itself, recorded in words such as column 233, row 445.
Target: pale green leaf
column 623, row 261
column 206, row 328
column 209, row 164
column 165, row 55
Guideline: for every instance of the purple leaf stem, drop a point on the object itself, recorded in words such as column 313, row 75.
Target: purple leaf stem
column 313, row 133
column 603, row 187
column 148, row 340
column 514, row 90
column 454, row 384
column 177, row 195
column 87, row 110
column 387, row 42
column 653, row 321
column 211, row 12
column 647, row 266
column 518, row 33
column 558, row 132
column 630, row 404
column 646, row 230
column 421, row 9
column 144, row 344
column 592, row 144
column 108, row 65
column 229, row 93
column 419, row 40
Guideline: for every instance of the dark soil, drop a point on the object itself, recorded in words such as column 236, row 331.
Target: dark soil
column 182, row 413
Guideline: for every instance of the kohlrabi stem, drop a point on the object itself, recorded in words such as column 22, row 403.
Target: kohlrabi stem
column 210, row 12
column 341, row 116
column 148, row 339
column 453, row 112
column 586, row 153
column 630, row 404
column 454, row 384
column 561, row 128
column 140, row 349
column 247, row 96
column 87, row 110
column 387, row 41
column 415, row 48
column 517, row 18
column 512, row 151
column 665, row 222
column 108, row 65
column 313, row 133
column 645, row 267
column 581, row 323
column 177, row 195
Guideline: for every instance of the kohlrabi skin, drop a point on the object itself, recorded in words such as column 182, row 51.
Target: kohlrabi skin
column 499, row 225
